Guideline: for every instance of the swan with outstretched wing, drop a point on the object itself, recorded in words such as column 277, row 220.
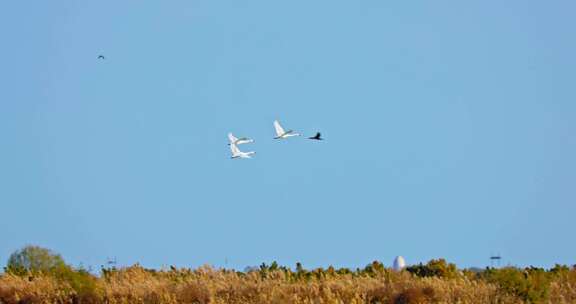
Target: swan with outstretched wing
column 238, row 141
column 281, row 133
column 236, row 153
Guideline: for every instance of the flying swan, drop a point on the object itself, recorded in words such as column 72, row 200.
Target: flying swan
column 236, row 153
column 238, row 141
column 280, row 133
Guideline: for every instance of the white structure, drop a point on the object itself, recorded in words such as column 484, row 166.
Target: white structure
column 399, row 263
column 236, row 153
column 280, row 133
column 238, row 141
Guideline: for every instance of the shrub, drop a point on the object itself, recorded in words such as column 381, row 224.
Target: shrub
column 530, row 284
column 434, row 268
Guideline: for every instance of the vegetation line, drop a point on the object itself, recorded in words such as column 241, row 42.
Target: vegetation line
column 37, row 275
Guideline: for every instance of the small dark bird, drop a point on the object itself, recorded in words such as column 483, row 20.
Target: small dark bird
column 316, row 137
column 101, row 57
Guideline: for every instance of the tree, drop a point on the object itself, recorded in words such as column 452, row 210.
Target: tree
column 434, row 268
column 34, row 259
column 530, row 284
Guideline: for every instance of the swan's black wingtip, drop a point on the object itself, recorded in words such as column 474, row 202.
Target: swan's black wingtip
column 318, row 136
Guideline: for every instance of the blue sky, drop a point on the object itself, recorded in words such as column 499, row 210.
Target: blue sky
column 449, row 129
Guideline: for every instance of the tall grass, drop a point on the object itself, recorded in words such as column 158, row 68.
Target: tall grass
column 136, row 284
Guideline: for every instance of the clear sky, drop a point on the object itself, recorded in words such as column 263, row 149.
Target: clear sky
column 450, row 131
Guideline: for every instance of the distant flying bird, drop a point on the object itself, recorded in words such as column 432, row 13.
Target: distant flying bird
column 280, row 133
column 236, row 153
column 238, row 141
column 316, row 137
column 101, row 57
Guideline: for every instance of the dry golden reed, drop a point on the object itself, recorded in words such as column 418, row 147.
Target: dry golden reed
column 135, row 284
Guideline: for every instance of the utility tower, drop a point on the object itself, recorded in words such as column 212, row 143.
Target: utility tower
column 495, row 260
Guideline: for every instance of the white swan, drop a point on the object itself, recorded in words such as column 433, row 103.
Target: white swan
column 280, row 133
column 236, row 153
column 238, row 141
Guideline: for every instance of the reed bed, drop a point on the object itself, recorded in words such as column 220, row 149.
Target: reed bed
column 205, row 285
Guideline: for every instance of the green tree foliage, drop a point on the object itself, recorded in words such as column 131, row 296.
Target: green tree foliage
column 530, row 284
column 434, row 268
column 373, row 269
column 33, row 260
column 560, row 269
